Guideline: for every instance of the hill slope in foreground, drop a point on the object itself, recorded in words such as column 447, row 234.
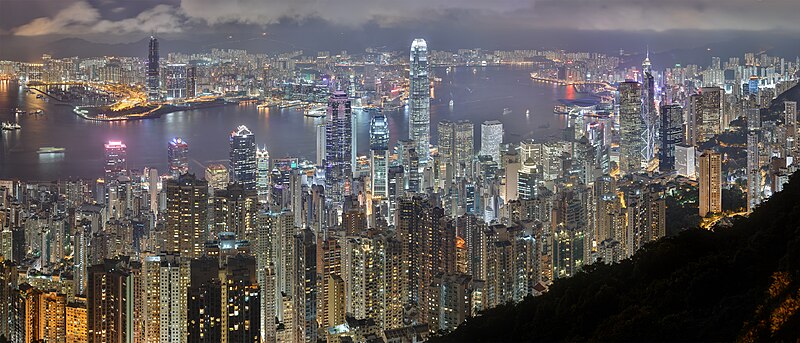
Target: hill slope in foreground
column 738, row 283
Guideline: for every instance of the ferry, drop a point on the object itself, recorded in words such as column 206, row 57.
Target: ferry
column 51, row 150
column 316, row 112
column 9, row 126
column 506, row 111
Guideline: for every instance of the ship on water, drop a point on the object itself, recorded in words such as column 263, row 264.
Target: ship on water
column 51, row 150
column 9, row 126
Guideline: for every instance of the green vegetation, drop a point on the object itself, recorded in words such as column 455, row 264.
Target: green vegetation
column 736, row 283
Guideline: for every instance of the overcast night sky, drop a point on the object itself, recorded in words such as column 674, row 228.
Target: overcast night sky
column 27, row 26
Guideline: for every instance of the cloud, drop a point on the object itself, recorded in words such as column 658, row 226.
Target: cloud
column 340, row 12
column 81, row 18
column 169, row 16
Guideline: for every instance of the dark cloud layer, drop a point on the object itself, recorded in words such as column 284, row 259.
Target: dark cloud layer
column 126, row 17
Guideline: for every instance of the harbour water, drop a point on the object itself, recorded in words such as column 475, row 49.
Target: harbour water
column 477, row 94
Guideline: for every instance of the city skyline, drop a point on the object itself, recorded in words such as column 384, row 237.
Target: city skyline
column 400, row 192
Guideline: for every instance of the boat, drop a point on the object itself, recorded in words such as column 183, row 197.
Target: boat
column 39, row 111
column 19, row 111
column 506, row 111
column 560, row 109
column 527, row 113
column 451, row 104
column 9, row 126
column 39, row 96
column 316, row 112
column 51, row 150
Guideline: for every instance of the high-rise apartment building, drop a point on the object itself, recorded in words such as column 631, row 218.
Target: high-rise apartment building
column 187, row 210
column 710, row 183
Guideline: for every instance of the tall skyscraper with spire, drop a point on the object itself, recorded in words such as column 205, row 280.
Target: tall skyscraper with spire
column 153, row 79
column 649, row 113
column 419, row 99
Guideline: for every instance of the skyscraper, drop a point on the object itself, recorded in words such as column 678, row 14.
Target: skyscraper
column 187, row 208
column 116, row 160
column 262, row 177
column 379, row 155
column 217, row 176
column 419, row 99
column 491, row 138
column 631, row 127
column 463, row 147
column 153, row 79
column 790, row 122
column 191, row 81
column 706, row 113
column 710, row 183
column 175, row 81
column 338, row 146
column 649, row 114
column 108, row 297
column 178, row 156
column 671, row 135
column 243, row 167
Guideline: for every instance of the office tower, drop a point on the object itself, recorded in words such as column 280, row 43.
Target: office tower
column 217, row 176
column 379, row 156
column 632, row 128
column 164, row 282
column 463, row 147
column 419, row 99
column 649, row 114
column 108, row 298
column 205, row 301
column 491, row 138
column 262, row 177
column 116, row 160
column 305, row 287
column 243, row 167
column 710, row 183
column 338, row 146
column 191, row 81
column 705, row 114
column 671, row 135
column 153, row 69
column 187, row 210
column 175, row 81
column 178, row 157
column 241, row 296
